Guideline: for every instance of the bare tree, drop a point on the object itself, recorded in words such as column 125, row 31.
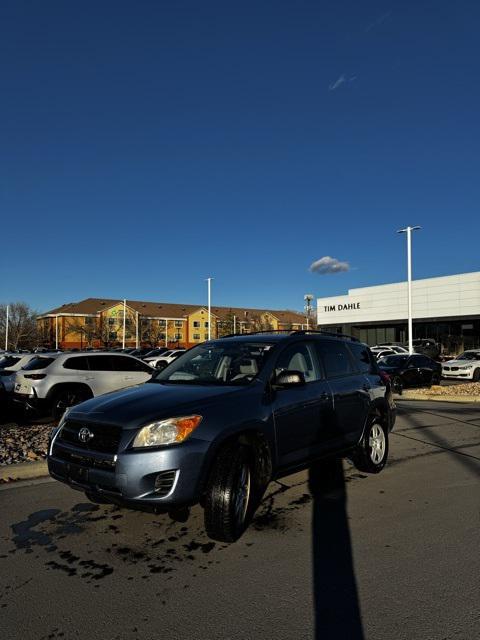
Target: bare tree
column 89, row 329
column 22, row 325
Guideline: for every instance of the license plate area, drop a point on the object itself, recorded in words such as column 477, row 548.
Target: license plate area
column 75, row 473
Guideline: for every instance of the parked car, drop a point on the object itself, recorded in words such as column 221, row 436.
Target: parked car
column 466, row 365
column 53, row 382
column 163, row 361
column 15, row 363
column 397, row 348
column 426, row 346
column 155, row 352
column 222, row 421
column 140, row 353
column 383, row 353
column 411, row 371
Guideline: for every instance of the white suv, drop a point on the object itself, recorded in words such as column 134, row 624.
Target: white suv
column 466, row 365
column 53, row 382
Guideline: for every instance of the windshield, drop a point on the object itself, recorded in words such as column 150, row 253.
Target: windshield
column 394, row 361
column 470, row 355
column 217, row 363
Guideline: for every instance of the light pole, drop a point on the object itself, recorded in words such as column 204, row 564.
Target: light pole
column 6, row 328
column 124, row 314
column 308, row 307
column 408, row 231
column 209, row 281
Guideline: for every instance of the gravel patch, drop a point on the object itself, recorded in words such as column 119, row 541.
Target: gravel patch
column 23, row 443
column 467, row 389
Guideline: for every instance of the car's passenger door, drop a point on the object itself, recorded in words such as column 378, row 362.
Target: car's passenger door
column 412, row 375
column 350, row 388
column 301, row 413
column 103, row 375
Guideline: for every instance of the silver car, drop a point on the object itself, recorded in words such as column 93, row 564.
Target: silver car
column 9, row 365
column 50, row 383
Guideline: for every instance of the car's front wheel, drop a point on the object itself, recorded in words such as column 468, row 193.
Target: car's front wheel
column 397, row 385
column 68, row 397
column 229, row 498
column 372, row 452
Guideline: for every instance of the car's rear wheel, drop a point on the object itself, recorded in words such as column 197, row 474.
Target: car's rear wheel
column 229, row 496
column 68, row 397
column 397, row 385
column 372, row 453
column 435, row 378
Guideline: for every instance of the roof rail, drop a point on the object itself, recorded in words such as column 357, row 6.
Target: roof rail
column 293, row 332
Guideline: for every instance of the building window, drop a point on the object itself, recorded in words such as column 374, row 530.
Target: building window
column 161, row 323
column 178, row 323
column 112, row 335
column 178, row 336
column 206, row 336
column 111, row 321
column 128, row 322
column 206, row 325
column 196, row 336
column 88, row 320
column 196, row 324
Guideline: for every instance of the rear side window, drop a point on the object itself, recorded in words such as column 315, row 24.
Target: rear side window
column 79, row 364
column 423, row 361
column 336, row 358
column 101, row 363
column 362, row 357
column 8, row 361
column 130, row 364
column 299, row 357
column 38, row 363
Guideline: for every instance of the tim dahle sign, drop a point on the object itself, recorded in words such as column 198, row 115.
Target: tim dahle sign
column 349, row 306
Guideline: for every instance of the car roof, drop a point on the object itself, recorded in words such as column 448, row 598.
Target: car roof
column 277, row 337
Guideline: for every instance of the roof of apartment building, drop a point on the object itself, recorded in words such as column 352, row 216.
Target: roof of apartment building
column 94, row 306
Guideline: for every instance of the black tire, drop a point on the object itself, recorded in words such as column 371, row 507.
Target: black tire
column 68, row 397
column 372, row 453
column 435, row 379
column 229, row 497
column 397, row 385
column 476, row 375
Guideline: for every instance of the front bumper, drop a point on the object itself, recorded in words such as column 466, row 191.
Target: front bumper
column 161, row 478
column 464, row 375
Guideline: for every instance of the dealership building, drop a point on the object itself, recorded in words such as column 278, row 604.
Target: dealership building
column 446, row 309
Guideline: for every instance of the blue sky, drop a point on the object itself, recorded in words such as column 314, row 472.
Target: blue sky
column 148, row 145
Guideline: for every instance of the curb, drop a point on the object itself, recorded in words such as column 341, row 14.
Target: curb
column 464, row 399
column 24, row 470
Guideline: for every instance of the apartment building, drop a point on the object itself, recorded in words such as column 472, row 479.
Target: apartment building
column 98, row 322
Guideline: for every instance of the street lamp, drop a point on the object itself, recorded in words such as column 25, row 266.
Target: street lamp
column 209, row 281
column 408, row 231
column 308, row 307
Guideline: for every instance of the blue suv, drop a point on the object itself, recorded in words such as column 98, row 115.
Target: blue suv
column 222, row 421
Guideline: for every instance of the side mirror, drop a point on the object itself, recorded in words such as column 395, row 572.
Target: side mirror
column 287, row 379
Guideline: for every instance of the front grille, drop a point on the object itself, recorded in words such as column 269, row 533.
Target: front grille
column 454, row 368
column 164, row 482
column 84, row 460
column 104, row 438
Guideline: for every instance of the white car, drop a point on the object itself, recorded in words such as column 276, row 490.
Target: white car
column 166, row 358
column 9, row 365
column 397, row 348
column 466, row 366
column 50, row 383
column 151, row 360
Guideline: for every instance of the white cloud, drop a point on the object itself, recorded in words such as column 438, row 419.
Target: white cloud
column 338, row 82
column 327, row 265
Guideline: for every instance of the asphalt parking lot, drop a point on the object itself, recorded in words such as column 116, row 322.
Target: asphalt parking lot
column 329, row 555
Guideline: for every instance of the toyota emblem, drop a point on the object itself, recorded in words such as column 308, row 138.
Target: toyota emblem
column 84, row 435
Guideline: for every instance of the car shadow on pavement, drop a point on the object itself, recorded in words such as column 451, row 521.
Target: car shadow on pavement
column 337, row 610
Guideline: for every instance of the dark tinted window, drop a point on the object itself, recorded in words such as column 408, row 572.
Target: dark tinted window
column 38, row 363
column 361, row 354
column 336, row 358
column 394, row 361
column 8, row 361
column 423, row 361
column 101, row 363
column 121, row 363
column 79, row 364
column 299, row 357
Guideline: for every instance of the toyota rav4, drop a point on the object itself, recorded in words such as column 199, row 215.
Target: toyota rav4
column 223, row 420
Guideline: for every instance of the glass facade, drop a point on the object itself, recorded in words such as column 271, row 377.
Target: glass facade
column 454, row 335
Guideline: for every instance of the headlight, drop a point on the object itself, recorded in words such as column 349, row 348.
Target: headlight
column 468, row 366
column 168, row 431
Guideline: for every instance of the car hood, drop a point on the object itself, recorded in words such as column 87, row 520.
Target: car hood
column 136, row 406
column 460, row 363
